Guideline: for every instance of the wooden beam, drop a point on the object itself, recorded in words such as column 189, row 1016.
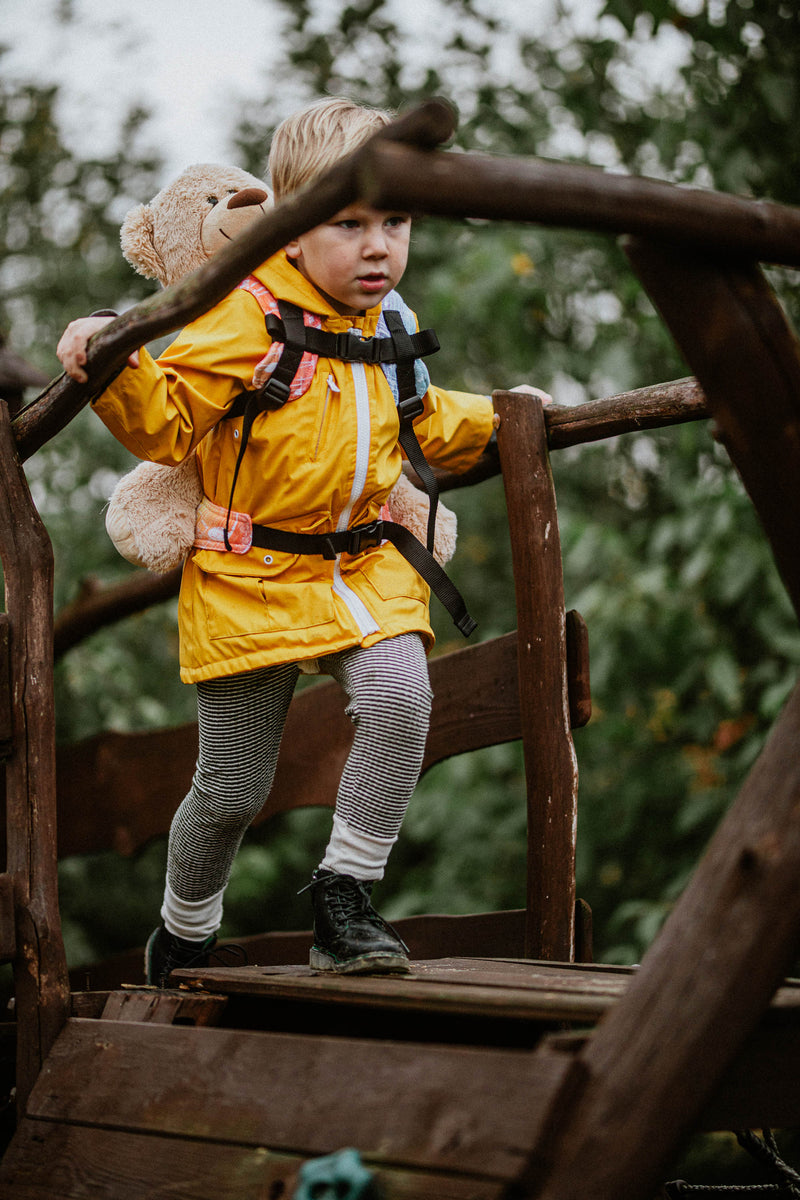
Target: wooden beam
column 655, row 407
column 654, row 1062
column 564, row 194
column 550, row 765
column 431, row 1107
column 735, row 337
column 703, row 985
column 40, row 972
column 8, row 935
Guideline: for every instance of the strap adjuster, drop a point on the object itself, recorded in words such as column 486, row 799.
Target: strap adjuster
column 276, row 390
column 410, row 408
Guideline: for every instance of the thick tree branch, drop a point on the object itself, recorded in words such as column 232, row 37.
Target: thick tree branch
column 580, row 197
column 97, row 606
column 170, row 309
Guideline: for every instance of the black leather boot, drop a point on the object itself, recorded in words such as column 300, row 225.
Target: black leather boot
column 166, row 952
column 349, row 935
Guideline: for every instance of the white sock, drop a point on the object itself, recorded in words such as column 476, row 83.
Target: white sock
column 351, row 852
column 194, row 920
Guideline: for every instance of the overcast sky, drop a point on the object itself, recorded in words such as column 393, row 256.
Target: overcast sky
column 188, row 59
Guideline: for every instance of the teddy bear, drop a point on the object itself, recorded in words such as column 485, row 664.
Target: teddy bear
column 151, row 512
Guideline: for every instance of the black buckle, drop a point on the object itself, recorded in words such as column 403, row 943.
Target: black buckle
column 411, row 407
column 276, row 391
column 364, row 537
column 348, row 346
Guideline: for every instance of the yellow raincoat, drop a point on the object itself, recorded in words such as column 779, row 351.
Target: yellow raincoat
column 326, row 460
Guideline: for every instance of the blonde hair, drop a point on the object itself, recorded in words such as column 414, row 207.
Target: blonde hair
column 314, row 139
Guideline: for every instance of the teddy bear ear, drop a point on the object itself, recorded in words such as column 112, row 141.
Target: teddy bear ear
column 136, row 239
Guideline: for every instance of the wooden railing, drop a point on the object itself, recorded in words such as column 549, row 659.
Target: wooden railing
column 700, row 990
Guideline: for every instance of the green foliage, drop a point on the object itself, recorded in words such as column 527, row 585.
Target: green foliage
column 59, row 222
column 694, row 644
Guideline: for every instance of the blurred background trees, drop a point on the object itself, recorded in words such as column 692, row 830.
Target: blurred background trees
column 694, row 644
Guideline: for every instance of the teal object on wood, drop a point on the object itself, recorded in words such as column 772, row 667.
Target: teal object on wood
column 340, row 1176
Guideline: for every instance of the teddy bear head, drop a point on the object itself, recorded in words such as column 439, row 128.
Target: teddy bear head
column 190, row 219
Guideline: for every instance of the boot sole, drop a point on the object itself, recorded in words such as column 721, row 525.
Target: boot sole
column 365, row 964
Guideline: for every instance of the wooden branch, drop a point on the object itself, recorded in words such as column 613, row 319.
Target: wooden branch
column 654, row 407
column 562, row 194
column 97, row 606
column 733, row 333
column 40, row 971
column 173, row 307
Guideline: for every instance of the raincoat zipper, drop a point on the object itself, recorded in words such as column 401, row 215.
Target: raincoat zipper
column 358, row 610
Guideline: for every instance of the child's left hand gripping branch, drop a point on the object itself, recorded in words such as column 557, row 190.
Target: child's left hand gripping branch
column 545, row 398
column 71, row 348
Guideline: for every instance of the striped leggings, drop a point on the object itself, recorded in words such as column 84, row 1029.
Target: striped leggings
column 241, row 720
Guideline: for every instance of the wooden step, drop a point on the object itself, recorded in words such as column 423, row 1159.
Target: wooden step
column 503, row 989
column 204, row 1112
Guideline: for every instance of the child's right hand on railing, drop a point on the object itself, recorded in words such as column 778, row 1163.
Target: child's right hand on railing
column 71, row 348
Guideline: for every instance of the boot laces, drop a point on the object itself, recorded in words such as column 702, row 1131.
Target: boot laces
column 349, row 898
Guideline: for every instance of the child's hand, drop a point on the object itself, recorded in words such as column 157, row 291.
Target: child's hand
column 71, row 349
column 545, row 397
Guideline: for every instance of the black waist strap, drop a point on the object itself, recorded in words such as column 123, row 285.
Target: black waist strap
column 362, row 537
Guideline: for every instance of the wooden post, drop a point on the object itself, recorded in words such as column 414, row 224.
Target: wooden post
column 730, row 327
column 40, row 972
column 707, row 979
column 550, row 765
column 658, row 1054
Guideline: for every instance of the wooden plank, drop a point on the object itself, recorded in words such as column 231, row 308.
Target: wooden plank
column 475, row 699
column 163, row 1007
column 73, row 1163
column 550, row 765
column 498, row 991
column 8, row 934
column 578, row 685
column 659, row 1054
column 40, row 971
column 424, row 1106
column 735, row 337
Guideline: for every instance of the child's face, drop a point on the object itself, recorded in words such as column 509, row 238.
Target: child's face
column 356, row 258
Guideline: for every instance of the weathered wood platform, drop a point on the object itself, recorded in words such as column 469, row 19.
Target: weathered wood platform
column 447, row 1080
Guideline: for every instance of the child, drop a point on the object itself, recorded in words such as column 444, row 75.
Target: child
column 318, row 463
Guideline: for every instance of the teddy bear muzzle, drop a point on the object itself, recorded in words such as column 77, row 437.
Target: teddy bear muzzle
column 246, row 197
column 233, row 214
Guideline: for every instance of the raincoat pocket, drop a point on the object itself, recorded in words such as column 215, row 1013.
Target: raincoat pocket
column 282, row 596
